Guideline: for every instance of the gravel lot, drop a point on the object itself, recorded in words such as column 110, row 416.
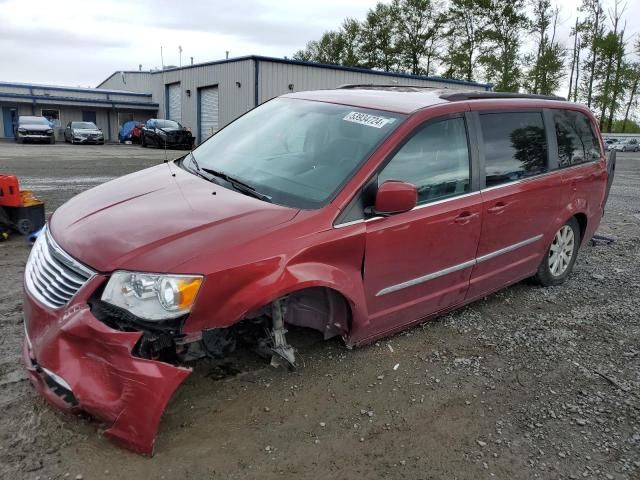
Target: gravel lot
column 530, row 382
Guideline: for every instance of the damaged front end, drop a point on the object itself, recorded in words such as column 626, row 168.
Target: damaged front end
column 85, row 354
column 81, row 365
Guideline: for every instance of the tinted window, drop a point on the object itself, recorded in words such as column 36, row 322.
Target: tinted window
column 576, row 141
column 515, row 146
column 436, row 160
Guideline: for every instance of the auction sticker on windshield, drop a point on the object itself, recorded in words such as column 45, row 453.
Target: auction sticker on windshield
column 366, row 119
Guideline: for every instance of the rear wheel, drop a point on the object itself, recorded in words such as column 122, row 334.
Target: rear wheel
column 561, row 255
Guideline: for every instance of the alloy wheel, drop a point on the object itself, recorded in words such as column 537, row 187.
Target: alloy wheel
column 561, row 251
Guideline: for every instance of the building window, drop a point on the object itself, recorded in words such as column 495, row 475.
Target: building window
column 576, row 140
column 52, row 115
column 515, row 146
column 435, row 160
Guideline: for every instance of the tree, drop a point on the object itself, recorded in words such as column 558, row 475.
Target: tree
column 464, row 30
column 592, row 32
column 378, row 47
column 575, row 62
column 341, row 47
column 547, row 69
column 503, row 31
column 418, row 24
column 633, row 78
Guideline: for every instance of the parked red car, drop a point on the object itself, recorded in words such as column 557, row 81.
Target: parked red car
column 356, row 212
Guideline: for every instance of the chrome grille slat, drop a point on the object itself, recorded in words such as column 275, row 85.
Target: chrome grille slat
column 54, row 264
column 53, row 276
column 65, row 291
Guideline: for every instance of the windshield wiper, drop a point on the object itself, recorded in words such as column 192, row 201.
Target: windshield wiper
column 238, row 184
column 197, row 170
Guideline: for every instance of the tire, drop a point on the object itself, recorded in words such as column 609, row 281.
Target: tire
column 553, row 270
column 143, row 144
column 52, row 141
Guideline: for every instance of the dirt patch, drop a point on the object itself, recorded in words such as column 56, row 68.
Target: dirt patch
column 527, row 383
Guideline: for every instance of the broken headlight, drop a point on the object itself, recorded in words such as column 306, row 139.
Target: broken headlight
column 152, row 296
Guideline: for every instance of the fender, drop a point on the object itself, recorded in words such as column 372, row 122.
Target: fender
column 335, row 263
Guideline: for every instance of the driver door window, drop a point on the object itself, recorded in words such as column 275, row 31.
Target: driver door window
column 435, row 160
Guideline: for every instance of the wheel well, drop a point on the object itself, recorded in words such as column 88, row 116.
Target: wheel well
column 320, row 308
column 582, row 221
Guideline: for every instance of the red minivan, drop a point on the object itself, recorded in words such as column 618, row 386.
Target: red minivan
column 357, row 212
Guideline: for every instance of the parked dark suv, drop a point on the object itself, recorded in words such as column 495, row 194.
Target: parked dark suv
column 357, row 212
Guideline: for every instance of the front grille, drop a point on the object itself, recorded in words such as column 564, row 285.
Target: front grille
column 51, row 275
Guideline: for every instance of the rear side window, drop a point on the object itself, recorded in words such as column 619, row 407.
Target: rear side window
column 515, row 146
column 435, row 160
column 576, row 141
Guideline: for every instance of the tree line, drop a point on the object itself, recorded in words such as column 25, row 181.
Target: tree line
column 512, row 44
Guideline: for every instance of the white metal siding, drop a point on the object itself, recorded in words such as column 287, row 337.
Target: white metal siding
column 174, row 102
column 275, row 79
column 208, row 112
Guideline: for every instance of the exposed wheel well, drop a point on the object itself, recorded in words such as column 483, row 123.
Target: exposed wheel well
column 582, row 221
column 320, row 308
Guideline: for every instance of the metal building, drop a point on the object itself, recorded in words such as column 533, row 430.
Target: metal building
column 108, row 109
column 207, row 96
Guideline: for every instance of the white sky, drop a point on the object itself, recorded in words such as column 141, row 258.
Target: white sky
column 81, row 42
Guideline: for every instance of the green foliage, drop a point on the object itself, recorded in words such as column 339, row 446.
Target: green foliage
column 418, row 24
column 505, row 22
column 547, row 63
column 483, row 40
column 619, row 126
column 464, row 34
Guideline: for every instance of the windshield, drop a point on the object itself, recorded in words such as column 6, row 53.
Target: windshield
column 33, row 121
column 84, row 125
column 297, row 152
column 165, row 124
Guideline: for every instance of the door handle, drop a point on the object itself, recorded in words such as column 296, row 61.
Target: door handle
column 497, row 208
column 465, row 217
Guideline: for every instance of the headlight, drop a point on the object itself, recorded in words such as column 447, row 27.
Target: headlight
column 22, row 130
column 152, row 296
column 161, row 132
column 50, row 131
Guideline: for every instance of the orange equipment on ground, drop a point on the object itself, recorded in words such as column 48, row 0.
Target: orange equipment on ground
column 19, row 210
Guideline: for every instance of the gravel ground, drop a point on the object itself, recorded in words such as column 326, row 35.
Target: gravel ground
column 530, row 382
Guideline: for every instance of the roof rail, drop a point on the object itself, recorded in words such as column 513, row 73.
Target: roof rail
column 383, row 85
column 478, row 95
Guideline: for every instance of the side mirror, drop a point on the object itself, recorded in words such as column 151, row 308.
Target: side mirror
column 394, row 196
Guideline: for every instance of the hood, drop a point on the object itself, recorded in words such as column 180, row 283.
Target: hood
column 173, row 131
column 35, row 127
column 152, row 221
column 91, row 131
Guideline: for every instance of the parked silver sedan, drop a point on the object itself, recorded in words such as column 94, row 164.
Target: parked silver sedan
column 83, row 132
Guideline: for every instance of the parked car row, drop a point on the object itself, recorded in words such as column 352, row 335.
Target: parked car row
column 154, row 132
column 622, row 144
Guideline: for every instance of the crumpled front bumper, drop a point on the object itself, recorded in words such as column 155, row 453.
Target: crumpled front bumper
column 79, row 364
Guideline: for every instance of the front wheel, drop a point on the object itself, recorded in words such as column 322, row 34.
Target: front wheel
column 561, row 255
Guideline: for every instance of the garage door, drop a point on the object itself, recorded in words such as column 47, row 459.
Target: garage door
column 174, row 110
column 208, row 112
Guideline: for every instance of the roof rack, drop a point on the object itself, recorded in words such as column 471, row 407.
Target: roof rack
column 478, row 95
column 383, row 85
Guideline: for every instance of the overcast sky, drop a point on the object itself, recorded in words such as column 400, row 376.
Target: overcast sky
column 81, row 42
